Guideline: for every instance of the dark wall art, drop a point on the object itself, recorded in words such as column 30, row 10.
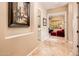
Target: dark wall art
column 18, row 14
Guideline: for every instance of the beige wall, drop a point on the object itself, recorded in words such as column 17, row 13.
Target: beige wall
column 21, row 45
column 58, row 9
column 70, row 21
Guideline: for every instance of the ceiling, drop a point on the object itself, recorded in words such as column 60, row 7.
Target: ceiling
column 49, row 5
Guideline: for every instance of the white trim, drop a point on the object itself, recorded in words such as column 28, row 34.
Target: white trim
column 66, row 24
column 19, row 35
column 32, row 51
column 57, row 14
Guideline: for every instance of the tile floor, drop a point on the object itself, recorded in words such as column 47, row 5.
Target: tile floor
column 53, row 47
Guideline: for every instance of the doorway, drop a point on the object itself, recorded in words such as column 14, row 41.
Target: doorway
column 58, row 25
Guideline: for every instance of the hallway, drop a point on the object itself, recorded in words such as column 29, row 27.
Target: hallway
column 25, row 30
column 53, row 48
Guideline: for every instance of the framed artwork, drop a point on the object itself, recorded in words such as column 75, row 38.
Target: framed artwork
column 44, row 22
column 18, row 14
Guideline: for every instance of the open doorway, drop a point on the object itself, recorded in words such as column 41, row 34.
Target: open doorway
column 57, row 25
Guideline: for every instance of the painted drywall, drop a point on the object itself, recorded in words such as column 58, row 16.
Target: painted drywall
column 58, row 9
column 21, row 45
column 70, row 22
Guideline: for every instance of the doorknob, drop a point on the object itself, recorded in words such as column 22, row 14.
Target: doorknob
column 77, row 46
column 77, row 31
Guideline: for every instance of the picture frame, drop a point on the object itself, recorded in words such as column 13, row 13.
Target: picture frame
column 44, row 22
column 18, row 14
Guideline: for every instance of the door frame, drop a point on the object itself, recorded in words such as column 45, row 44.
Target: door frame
column 39, row 23
column 78, row 28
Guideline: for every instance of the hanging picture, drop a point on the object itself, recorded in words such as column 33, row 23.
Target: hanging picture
column 18, row 14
